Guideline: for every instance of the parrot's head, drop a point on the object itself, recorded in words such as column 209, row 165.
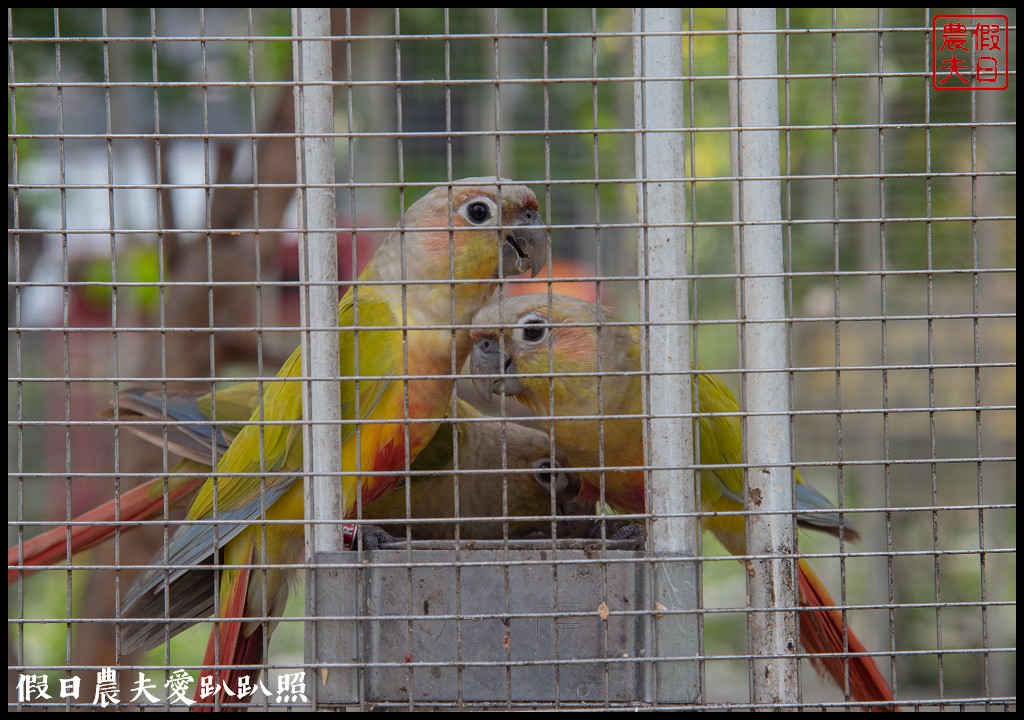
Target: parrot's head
column 474, row 229
column 542, row 349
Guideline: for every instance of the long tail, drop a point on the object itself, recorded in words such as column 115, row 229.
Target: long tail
column 188, row 433
column 821, row 631
column 142, row 503
column 229, row 650
column 248, row 651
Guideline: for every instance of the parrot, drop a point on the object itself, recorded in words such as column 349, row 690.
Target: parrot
column 400, row 336
column 432, row 489
column 191, row 435
column 481, row 458
column 550, row 352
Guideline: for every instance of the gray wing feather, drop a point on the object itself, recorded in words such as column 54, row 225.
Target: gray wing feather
column 181, row 587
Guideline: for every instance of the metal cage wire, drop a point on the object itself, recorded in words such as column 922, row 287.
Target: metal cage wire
column 155, row 239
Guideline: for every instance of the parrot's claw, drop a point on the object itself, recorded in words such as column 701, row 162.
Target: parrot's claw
column 621, row 530
column 371, row 537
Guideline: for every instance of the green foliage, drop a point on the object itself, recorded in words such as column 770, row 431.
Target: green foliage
column 139, row 263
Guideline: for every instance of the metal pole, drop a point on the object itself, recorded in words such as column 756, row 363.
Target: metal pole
column 318, row 272
column 664, row 314
column 761, row 309
column 318, row 248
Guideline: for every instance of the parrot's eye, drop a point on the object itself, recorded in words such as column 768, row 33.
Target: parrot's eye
column 547, row 472
column 478, row 212
column 534, row 330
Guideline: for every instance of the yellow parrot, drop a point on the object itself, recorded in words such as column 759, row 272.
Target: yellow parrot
column 428, row 277
column 488, row 453
column 549, row 354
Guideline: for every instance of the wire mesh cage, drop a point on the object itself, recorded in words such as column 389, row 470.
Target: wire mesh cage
column 562, row 208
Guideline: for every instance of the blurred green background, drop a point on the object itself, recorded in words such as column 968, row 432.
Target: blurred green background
column 902, row 251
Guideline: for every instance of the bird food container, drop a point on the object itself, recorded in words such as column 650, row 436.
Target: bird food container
column 489, row 623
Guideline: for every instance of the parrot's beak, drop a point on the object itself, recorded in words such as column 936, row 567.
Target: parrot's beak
column 488, row 360
column 526, row 244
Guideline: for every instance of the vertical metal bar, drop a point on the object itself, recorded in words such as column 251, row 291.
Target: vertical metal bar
column 208, row 180
column 837, row 289
column 692, row 260
column 409, row 680
column 984, row 110
column 664, row 314
column 759, row 258
column 318, row 268
column 608, row 669
column 164, row 218
column 930, row 311
column 787, row 214
column 65, row 238
column 115, row 365
column 883, row 263
column 319, row 250
column 16, row 481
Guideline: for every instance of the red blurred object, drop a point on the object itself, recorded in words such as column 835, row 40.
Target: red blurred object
column 562, row 271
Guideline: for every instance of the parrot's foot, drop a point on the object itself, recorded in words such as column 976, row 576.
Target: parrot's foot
column 371, row 537
column 621, row 530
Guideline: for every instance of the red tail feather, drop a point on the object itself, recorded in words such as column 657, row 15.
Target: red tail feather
column 142, row 503
column 236, row 652
column 821, row 631
column 249, row 651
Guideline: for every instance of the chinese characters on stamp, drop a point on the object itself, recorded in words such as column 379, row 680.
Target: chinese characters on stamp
column 970, row 52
